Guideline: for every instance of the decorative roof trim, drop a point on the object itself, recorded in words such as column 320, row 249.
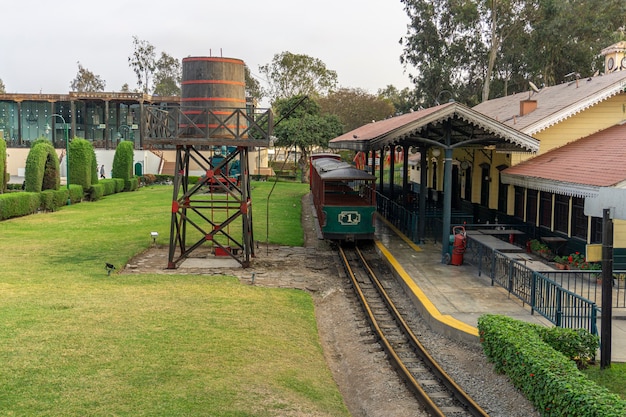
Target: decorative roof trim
column 466, row 114
column 551, row 186
column 576, row 108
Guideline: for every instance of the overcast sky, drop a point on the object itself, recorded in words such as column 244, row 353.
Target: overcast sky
column 42, row 40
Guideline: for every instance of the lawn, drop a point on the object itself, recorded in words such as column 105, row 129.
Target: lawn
column 76, row 342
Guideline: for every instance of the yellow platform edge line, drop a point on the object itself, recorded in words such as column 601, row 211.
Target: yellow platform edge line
column 428, row 305
column 400, row 234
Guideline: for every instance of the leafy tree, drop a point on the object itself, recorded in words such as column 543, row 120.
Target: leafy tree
column 253, row 87
column 2, row 87
column 355, row 107
column 478, row 49
column 292, row 75
column 302, row 125
column 443, row 43
column 143, row 62
column 125, row 88
column 403, row 101
column 86, row 81
column 168, row 76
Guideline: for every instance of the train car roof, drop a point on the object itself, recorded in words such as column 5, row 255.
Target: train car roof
column 332, row 169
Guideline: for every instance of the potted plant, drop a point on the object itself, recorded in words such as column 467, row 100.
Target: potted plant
column 540, row 249
column 575, row 260
column 561, row 262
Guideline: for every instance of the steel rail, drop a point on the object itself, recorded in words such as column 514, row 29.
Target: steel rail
column 469, row 405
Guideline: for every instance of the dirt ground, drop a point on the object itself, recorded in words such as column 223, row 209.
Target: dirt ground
column 369, row 386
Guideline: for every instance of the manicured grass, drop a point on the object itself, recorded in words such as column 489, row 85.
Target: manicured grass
column 613, row 378
column 75, row 342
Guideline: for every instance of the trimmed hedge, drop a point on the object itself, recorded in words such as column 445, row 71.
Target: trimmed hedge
column 18, row 204
column 132, row 184
column 96, row 192
column 550, row 380
column 76, row 193
column 109, row 185
column 52, row 200
column 119, row 184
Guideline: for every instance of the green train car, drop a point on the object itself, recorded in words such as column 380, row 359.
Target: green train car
column 344, row 199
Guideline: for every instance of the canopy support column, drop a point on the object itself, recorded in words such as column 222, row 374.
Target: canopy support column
column 447, row 196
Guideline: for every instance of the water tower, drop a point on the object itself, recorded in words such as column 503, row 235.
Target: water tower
column 212, row 131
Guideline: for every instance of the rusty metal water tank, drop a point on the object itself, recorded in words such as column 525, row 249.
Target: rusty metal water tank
column 213, row 88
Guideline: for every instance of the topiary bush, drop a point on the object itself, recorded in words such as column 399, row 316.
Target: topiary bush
column 550, row 380
column 123, row 163
column 95, row 174
column 80, row 156
column 42, row 167
column 3, row 166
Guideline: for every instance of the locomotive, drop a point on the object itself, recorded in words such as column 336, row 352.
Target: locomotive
column 344, row 198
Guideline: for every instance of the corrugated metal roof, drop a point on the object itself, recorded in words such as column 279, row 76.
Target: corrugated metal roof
column 555, row 103
column 332, row 169
column 578, row 168
column 467, row 128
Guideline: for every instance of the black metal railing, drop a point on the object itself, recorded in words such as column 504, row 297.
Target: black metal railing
column 543, row 295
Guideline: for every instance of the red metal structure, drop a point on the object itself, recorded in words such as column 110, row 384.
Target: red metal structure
column 213, row 115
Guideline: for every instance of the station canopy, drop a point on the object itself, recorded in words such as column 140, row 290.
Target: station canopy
column 450, row 126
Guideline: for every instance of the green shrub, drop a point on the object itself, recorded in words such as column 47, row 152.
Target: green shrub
column 547, row 377
column 96, row 192
column 119, row 184
column 109, row 185
column 123, row 161
column 76, row 193
column 147, row 179
column 4, row 177
column 95, row 174
column 163, row 179
column 18, row 204
column 80, row 157
column 42, row 167
column 132, row 184
column 578, row 345
column 51, row 200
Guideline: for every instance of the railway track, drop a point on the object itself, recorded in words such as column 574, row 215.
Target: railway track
column 439, row 394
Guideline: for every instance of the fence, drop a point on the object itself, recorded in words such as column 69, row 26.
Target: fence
column 549, row 298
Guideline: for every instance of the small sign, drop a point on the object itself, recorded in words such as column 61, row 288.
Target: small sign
column 608, row 198
column 349, row 218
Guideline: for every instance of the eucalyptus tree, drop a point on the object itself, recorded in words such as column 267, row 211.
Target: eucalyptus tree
column 86, row 81
column 356, row 107
column 168, row 76
column 143, row 62
column 472, row 50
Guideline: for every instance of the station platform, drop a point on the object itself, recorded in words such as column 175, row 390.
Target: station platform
column 452, row 298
